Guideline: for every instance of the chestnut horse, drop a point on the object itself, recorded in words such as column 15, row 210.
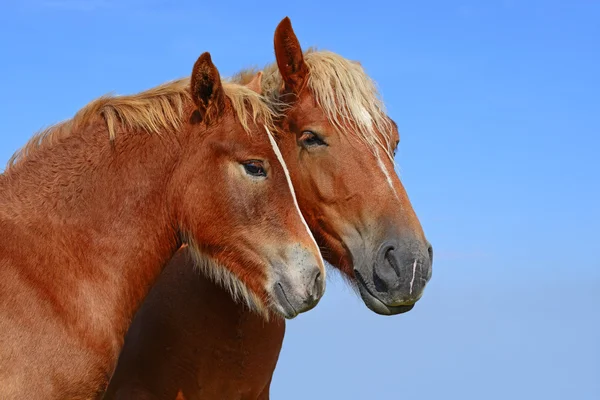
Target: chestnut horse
column 203, row 345
column 89, row 223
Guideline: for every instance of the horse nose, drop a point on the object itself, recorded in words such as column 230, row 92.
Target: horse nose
column 317, row 289
column 402, row 268
column 386, row 272
column 430, row 253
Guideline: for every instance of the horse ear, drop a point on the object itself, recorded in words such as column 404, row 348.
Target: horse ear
column 206, row 87
column 256, row 83
column 289, row 56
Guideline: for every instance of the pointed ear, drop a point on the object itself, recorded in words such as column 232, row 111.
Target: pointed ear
column 206, row 87
column 289, row 56
column 256, row 83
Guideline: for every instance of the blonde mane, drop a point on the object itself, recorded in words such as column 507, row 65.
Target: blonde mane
column 157, row 110
column 348, row 96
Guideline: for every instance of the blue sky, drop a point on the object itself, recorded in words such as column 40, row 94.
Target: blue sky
column 498, row 107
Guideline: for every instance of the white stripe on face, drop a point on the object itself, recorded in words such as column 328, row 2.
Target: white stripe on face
column 289, row 181
column 412, row 281
column 387, row 174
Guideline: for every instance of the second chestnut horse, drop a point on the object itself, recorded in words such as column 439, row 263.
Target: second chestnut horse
column 190, row 340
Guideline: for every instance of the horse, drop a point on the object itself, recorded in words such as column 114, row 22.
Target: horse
column 92, row 209
column 202, row 344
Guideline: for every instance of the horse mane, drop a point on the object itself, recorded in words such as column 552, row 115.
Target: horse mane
column 342, row 89
column 156, row 110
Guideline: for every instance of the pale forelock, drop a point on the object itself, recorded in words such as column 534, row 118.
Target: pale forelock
column 347, row 95
column 157, row 110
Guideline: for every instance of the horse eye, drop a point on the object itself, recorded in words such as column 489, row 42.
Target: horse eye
column 255, row 168
column 311, row 139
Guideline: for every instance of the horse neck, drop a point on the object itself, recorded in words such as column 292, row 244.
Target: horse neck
column 93, row 218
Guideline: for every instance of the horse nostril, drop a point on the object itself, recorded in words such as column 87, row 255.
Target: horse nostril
column 317, row 285
column 389, row 254
column 430, row 252
column 392, row 262
column 387, row 269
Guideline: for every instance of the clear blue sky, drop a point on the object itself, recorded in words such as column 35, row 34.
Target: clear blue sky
column 499, row 111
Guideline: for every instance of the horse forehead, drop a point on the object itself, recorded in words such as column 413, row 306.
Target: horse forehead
column 256, row 141
column 307, row 111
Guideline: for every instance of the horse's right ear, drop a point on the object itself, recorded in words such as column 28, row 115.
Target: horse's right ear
column 206, row 87
column 289, row 57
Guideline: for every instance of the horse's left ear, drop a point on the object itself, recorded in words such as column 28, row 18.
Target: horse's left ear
column 206, row 87
column 289, row 57
column 256, row 83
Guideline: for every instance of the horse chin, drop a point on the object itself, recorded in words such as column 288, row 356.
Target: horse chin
column 282, row 305
column 376, row 305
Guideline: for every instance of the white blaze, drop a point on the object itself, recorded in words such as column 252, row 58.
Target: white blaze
column 289, row 181
column 413, row 277
column 387, row 175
